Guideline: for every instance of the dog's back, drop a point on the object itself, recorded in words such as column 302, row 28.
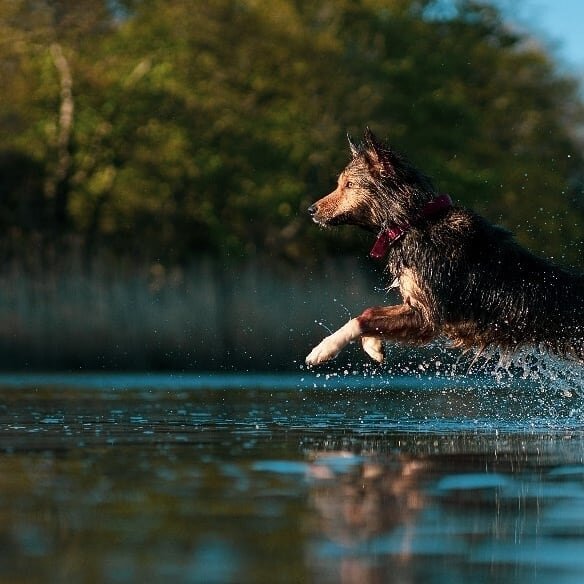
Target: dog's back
column 484, row 289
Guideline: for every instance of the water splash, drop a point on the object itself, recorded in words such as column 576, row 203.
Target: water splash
column 535, row 365
column 347, row 311
column 438, row 387
column 324, row 326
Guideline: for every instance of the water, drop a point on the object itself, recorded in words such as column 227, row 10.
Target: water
column 291, row 478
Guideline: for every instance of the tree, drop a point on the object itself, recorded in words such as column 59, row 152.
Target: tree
column 164, row 129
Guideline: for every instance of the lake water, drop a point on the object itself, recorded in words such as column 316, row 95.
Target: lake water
column 240, row 479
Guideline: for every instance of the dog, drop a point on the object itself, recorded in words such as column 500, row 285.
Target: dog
column 460, row 277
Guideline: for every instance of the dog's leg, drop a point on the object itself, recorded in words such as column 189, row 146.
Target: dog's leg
column 401, row 323
column 398, row 323
column 331, row 346
column 373, row 346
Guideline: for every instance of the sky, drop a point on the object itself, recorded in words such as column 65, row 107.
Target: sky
column 559, row 23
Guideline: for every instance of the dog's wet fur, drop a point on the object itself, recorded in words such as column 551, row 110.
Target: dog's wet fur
column 459, row 276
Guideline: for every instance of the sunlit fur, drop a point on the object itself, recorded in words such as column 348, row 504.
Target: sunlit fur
column 460, row 277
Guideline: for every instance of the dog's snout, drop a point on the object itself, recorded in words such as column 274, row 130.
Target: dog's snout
column 312, row 210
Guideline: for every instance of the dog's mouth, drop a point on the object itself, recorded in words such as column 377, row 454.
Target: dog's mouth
column 342, row 219
column 325, row 219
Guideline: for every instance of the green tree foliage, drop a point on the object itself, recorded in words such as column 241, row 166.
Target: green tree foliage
column 169, row 128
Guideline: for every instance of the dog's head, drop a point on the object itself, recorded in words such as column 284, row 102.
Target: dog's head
column 378, row 187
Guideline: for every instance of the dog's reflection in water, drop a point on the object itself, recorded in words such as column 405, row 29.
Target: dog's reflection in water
column 371, row 499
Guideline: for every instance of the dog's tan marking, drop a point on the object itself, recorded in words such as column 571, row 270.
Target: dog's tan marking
column 373, row 346
column 334, row 204
column 408, row 287
column 411, row 292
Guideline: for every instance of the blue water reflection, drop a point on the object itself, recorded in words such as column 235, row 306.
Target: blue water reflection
column 124, row 478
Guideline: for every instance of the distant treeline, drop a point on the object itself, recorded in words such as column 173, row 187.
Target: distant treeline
column 166, row 129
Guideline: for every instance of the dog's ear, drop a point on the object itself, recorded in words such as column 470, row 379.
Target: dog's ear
column 373, row 151
column 370, row 139
column 354, row 148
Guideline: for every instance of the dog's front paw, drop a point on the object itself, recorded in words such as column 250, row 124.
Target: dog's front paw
column 373, row 346
column 330, row 347
column 324, row 351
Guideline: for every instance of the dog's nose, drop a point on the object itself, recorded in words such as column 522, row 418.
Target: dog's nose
column 311, row 210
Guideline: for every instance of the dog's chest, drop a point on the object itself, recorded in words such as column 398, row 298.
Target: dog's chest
column 409, row 288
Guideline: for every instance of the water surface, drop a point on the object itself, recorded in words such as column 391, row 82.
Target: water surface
column 290, row 478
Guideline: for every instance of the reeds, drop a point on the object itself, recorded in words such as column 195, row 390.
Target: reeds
column 209, row 316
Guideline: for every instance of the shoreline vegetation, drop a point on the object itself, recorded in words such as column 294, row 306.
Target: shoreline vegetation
column 208, row 316
column 257, row 315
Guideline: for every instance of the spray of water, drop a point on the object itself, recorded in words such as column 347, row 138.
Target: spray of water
column 326, row 327
column 533, row 365
column 433, row 391
column 347, row 311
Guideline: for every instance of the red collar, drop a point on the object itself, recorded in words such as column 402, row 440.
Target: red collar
column 388, row 236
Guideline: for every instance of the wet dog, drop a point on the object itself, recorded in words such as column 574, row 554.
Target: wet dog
column 459, row 276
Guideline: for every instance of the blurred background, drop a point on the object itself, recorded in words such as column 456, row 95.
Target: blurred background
column 157, row 158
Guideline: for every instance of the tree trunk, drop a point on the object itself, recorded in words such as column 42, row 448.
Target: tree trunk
column 57, row 186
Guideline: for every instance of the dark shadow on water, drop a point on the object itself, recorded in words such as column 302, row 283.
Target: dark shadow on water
column 289, row 479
